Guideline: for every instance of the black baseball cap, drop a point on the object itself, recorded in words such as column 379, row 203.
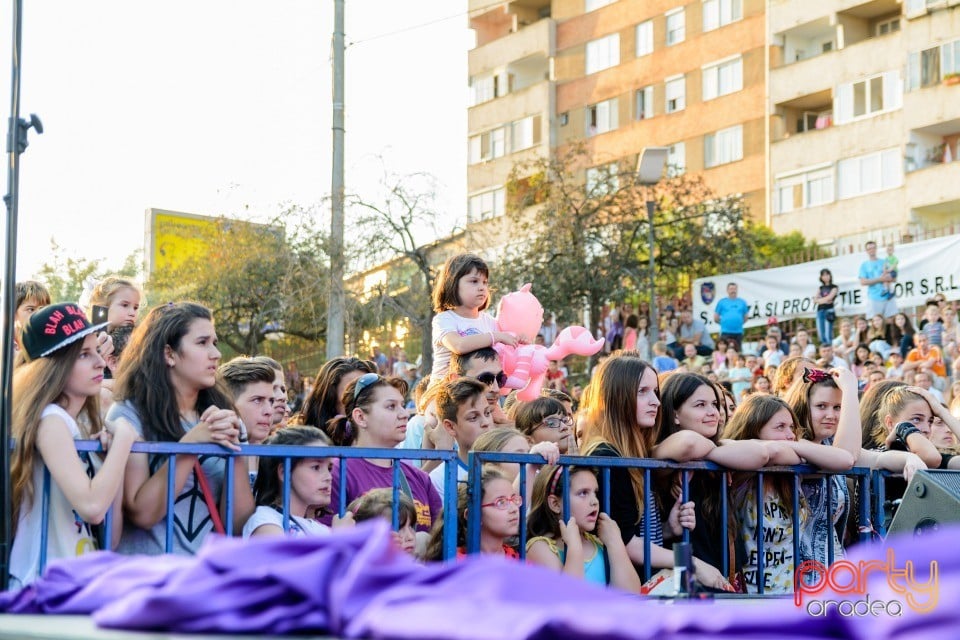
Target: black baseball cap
column 54, row 327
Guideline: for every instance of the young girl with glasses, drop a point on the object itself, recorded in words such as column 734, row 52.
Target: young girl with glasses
column 545, row 420
column 376, row 418
column 310, row 480
column 572, row 546
column 499, row 518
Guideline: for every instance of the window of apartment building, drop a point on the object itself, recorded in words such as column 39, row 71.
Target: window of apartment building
column 885, row 27
column 717, row 13
column 603, row 179
column 809, row 188
column 488, row 145
column 602, row 117
column 868, row 97
column 643, row 103
column 676, row 26
column 645, row 38
column 676, row 159
column 603, row 53
column 928, row 67
column 590, row 5
column 489, row 86
column 869, row 173
column 675, row 90
column 722, row 78
column 486, row 205
column 723, row 146
column 525, row 133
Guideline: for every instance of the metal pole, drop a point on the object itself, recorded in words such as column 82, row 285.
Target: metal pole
column 9, row 283
column 335, row 310
column 651, row 245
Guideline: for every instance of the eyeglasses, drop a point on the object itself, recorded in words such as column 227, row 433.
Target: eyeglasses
column 557, row 423
column 503, row 502
column 488, row 378
column 363, row 382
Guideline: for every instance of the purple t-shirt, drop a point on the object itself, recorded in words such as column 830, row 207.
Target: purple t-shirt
column 363, row 476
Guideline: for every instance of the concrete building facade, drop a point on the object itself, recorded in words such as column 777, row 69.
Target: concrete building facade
column 837, row 118
column 864, row 118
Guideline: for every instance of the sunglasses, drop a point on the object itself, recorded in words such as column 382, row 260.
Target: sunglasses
column 488, row 378
column 363, row 382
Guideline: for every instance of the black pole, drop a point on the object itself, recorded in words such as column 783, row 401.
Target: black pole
column 7, row 310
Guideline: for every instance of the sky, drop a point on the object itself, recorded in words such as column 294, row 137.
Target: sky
column 223, row 107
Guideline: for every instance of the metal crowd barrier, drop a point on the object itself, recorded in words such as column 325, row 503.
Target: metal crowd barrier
column 870, row 483
column 288, row 453
column 870, row 510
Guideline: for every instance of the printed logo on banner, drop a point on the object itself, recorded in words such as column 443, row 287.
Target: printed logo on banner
column 708, row 291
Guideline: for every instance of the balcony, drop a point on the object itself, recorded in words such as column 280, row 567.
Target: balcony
column 537, row 98
column 813, row 75
column 933, row 193
column 795, row 152
column 805, row 114
column 928, row 107
column 787, row 14
column 498, row 21
column 535, row 42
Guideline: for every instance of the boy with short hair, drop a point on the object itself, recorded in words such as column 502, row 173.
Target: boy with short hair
column 31, row 295
column 464, row 413
column 250, row 384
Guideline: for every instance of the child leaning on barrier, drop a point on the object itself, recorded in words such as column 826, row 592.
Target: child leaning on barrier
column 166, row 389
column 310, row 480
column 588, row 545
column 55, row 401
column 770, row 418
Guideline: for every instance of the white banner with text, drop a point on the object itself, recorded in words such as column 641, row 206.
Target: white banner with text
column 926, row 268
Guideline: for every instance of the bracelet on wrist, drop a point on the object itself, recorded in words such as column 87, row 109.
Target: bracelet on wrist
column 903, row 431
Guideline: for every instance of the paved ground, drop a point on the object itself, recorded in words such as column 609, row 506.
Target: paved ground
column 14, row 627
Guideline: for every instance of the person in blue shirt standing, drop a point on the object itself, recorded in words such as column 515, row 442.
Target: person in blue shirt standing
column 731, row 312
column 873, row 276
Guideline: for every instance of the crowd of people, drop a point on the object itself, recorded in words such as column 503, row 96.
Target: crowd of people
column 857, row 400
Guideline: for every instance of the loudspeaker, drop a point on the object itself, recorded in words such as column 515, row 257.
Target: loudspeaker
column 931, row 500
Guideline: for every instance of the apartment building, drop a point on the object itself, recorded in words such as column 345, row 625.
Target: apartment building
column 864, row 117
column 512, row 101
column 618, row 75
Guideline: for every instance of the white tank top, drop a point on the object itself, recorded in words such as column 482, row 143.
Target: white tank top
column 68, row 536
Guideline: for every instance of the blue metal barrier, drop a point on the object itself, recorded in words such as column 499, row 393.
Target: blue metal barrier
column 289, row 453
column 807, row 473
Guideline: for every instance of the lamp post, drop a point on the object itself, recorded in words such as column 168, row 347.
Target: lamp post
column 650, row 167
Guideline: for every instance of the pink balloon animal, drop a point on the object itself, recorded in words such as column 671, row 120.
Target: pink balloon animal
column 520, row 313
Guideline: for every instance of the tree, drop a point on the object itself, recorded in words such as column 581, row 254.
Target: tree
column 585, row 242
column 65, row 276
column 260, row 280
column 398, row 231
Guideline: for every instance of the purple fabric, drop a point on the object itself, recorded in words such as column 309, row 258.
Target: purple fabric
column 355, row 584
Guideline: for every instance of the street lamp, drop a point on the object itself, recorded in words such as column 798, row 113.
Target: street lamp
column 650, row 166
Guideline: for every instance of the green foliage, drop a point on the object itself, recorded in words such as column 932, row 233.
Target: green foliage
column 586, row 244
column 65, row 275
column 262, row 281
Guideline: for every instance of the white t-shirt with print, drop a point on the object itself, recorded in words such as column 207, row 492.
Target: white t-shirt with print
column 448, row 322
